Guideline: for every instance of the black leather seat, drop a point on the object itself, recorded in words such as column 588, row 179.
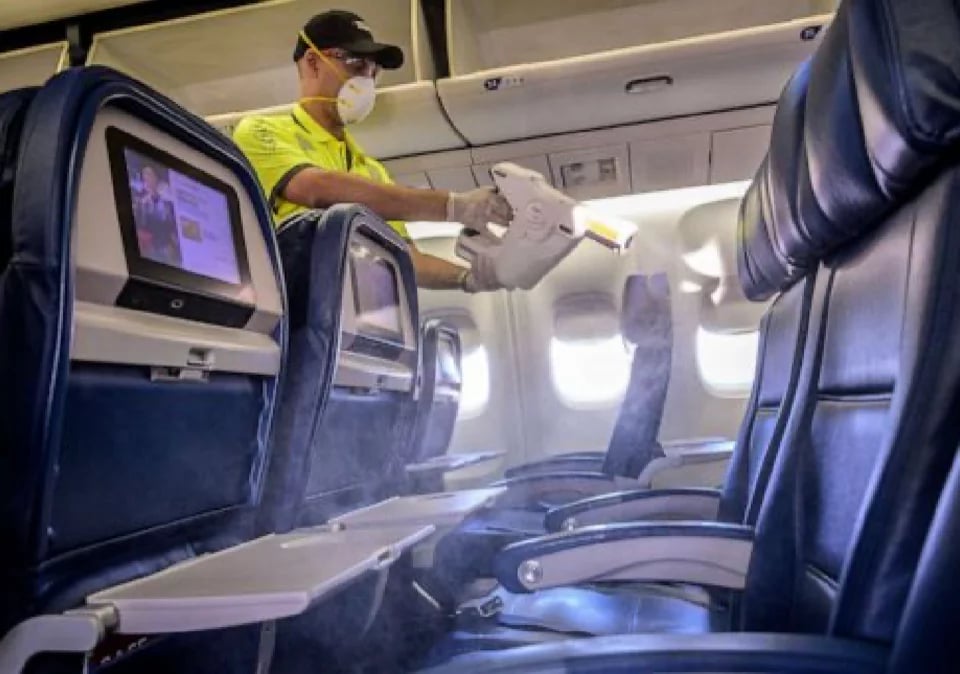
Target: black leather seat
column 923, row 642
column 783, row 331
column 619, row 610
column 863, row 184
column 646, row 323
column 13, row 107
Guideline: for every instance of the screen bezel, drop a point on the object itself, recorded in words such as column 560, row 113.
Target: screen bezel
column 370, row 331
column 158, row 273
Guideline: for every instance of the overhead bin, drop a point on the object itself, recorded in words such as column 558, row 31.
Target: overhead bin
column 16, row 14
column 522, row 70
column 226, row 64
column 32, row 66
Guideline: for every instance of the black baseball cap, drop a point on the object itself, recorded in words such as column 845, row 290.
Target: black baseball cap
column 339, row 29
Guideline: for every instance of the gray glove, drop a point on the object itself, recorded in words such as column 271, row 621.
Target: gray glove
column 481, row 277
column 475, row 208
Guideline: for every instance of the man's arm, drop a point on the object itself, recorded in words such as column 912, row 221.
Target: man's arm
column 316, row 188
column 436, row 273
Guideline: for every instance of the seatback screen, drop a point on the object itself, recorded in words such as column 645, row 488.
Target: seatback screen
column 182, row 235
column 180, row 221
column 448, row 368
column 376, row 296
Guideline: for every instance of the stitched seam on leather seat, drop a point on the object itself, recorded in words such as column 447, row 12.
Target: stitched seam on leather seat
column 883, row 397
column 821, row 576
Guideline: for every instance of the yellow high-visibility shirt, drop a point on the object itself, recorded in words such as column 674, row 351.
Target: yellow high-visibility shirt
column 279, row 146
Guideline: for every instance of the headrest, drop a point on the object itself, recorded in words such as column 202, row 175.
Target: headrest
column 859, row 129
column 461, row 322
column 646, row 306
column 13, row 107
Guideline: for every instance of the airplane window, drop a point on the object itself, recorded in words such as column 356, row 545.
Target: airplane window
column 589, row 373
column 475, row 389
column 726, row 362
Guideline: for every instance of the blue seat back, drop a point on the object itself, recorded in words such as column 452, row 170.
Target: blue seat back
column 438, row 402
column 341, row 447
column 108, row 470
column 13, row 108
column 442, row 379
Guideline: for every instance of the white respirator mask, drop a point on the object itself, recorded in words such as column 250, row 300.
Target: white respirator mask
column 356, row 99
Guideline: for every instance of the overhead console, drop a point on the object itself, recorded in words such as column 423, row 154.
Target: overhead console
column 522, row 70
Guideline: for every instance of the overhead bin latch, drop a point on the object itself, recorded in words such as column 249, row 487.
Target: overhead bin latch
column 546, row 227
column 647, row 85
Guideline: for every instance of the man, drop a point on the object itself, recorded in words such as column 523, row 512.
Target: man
column 308, row 159
column 154, row 218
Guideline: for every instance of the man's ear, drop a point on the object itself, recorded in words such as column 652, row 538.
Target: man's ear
column 307, row 65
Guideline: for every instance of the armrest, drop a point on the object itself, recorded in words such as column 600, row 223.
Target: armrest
column 550, row 489
column 699, row 504
column 709, row 554
column 667, row 470
column 584, row 461
column 744, row 652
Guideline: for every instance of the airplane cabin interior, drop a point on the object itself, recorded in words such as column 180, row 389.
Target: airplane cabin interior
column 708, row 422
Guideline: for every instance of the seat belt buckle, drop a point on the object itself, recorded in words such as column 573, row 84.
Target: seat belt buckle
column 483, row 609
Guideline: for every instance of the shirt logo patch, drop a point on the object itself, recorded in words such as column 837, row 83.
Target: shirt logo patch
column 305, row 144
column 265, row 135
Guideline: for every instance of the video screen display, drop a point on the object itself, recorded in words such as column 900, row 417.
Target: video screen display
column 179, row 221
column 377, row 297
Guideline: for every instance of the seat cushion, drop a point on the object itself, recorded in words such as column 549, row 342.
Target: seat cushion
column 600, row 611
column 558, row 614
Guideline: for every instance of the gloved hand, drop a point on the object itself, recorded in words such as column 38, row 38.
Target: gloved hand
column 475, row 208
column 481, row 277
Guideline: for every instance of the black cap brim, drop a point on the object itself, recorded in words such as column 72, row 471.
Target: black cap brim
column 388, row 56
